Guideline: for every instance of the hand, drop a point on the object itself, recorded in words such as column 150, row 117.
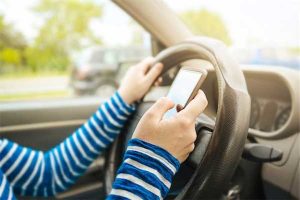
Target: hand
column 176, row 134
column 138, row 80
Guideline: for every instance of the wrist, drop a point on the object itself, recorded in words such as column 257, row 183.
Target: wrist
column 126, row 96
column 166, row 158
column 150, row 164
column 145, row 168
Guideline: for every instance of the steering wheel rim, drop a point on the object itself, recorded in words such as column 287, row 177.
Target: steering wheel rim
column 224, row 149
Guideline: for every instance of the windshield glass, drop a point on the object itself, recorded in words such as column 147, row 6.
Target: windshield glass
column 261, row 33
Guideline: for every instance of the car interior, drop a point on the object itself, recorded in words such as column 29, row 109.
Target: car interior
column 248, row 137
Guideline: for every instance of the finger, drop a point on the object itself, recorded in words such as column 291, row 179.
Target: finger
column 146, row 64
column 187, row 151
column 190, row 147
column 160, row 79
column 195, row 107
column 154, row 72
column 160, row 108
column 190, row 137
column 183, row 157
column 158, row 82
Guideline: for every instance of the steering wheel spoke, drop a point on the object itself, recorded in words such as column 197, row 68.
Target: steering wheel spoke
column 204, row 129
column 205, row 122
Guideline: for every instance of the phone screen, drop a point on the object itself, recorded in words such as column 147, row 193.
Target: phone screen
column 182, row 88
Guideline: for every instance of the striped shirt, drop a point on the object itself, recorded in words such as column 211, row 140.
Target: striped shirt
column 146, row 172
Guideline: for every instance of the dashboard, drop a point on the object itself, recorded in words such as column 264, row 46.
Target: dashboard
column 269, row 114
column 271, row 101
column 274, row 121
column 274, row 101
column 274, row 96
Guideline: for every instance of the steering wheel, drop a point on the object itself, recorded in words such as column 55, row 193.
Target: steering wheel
column 219, row 144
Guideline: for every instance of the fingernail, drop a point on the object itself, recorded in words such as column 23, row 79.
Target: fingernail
column 166, row 99
column 158, row 65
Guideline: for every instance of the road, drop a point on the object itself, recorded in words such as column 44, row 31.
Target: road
column 33, row 85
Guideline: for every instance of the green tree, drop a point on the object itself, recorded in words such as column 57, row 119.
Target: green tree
column 206, row 23
column 12, row 44
column 10, row 56
column 66, row 29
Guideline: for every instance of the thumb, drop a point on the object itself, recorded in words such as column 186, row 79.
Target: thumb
column 154, row 72
column 160, row 108
column 195, row 107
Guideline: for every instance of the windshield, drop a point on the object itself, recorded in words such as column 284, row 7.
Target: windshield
column 261, row 33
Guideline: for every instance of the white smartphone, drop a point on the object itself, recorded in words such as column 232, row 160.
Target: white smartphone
column 185, row 87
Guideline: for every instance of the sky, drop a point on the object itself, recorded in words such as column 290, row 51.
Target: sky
column 274, row 23
column 267, row 22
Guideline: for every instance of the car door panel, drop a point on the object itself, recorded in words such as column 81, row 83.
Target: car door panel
column 42, row 125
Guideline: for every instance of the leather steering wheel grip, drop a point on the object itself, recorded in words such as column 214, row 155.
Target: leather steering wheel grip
column 208, row 49
column 225, row 148
column 228, row 138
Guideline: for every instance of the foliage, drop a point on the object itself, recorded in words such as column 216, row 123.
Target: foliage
column 65, row 29
column 204, row 22
column 67, row 23
column 10, row 56
column 294, row 51
column 46, row 59
column 12, row 44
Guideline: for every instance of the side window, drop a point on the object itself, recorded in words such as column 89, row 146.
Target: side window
column 55, row 50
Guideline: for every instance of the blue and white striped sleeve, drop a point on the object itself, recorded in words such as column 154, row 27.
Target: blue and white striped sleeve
column 6, row 191
column 146, row 172
column 36, row 173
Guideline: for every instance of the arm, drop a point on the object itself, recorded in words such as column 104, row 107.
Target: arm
column 159, row 146
column 36, row 173
column 6, row 191
column 146, row 172
column 44, row 174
